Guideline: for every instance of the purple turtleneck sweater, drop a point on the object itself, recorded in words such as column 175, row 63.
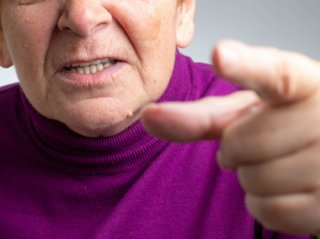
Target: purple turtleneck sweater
column 56, row 184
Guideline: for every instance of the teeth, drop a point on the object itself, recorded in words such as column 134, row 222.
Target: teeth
column 87, row 70
column 94, row 69
column 80, row 70
column 91, row 67
column 100, row 67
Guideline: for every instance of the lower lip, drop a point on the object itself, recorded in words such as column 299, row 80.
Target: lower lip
column 92, row 80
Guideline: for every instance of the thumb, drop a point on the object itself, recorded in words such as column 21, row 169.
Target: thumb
column 202, row 119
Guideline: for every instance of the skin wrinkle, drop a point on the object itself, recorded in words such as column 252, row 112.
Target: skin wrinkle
column 154, row 27
column 142, row 32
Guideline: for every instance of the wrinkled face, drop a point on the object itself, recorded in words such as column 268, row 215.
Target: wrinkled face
column 92, row 64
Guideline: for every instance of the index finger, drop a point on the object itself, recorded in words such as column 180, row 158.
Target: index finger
column 277, row 77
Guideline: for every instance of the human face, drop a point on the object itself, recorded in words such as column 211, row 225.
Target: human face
column 92, row 64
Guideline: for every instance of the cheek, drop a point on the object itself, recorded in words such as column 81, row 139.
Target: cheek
column 28, row 59
column 150, row 28
column 23, row 43
column 151, row 31
column 144, row 20
column 28, row 29
column 27, row 43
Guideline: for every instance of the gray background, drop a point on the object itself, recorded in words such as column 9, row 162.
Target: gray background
column 287, row 24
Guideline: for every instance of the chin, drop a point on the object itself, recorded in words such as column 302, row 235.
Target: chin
column 99, row 120
column 104, row 130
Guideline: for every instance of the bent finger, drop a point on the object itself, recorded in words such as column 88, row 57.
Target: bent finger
column 292, row 213
column 272, row 132
column 294, row 173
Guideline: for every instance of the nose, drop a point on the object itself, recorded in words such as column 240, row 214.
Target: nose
column 83, row 17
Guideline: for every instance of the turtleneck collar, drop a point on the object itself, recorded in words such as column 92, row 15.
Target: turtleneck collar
column 130, row 149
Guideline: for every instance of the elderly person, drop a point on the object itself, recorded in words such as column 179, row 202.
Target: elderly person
column 76, row 161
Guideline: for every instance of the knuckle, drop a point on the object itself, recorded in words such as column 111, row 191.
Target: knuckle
column 284, row 215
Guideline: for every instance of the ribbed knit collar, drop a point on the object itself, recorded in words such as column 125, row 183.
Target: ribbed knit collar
column 132, row 148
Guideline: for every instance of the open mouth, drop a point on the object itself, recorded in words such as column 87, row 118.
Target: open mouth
column 90, row 67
